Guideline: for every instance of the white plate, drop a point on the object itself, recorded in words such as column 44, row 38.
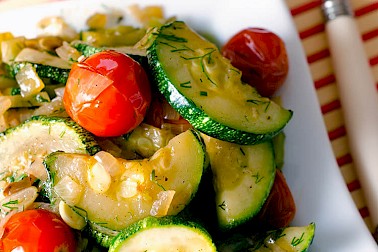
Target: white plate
column 310, row 167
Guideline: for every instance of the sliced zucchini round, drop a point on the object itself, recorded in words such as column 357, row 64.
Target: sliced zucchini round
column 37, row 137
column 59, row 75
column 243, row 176
column 290, row 239
column 161, row 185
column 163, row 234
column 207, row 90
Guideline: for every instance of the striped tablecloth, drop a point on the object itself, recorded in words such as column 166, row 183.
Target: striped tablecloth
column 311, row 28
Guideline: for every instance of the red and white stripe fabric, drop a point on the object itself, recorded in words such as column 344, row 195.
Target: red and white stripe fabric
column 309, row 20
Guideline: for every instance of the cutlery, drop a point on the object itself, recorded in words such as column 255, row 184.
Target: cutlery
column 358, row 96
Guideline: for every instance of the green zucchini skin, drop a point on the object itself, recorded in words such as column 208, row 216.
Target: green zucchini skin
column 99, row 235
column 112, row 212
column 194, row 113
column 58, row 75
column 90, row 145
column 33, row 125
column 290, row 239
column 87, row 50
column 241, row 173
column 174, row 223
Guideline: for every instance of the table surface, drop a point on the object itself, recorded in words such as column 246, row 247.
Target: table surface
column 309, row 21
column 311, row 28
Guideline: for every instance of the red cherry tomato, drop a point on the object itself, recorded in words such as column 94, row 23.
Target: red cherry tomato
column 160, row 114
column 37, row 230
column 108, row 93
column 279, row 209
column 261, row 56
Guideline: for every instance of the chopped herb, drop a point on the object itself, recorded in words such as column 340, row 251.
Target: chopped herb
column 258, row 102
column 202, row 58
column 173, row 38
column 12, row 204
column 167, row 44
column 257, row 178
column 235, row 70
column 242, row 151
column 186, row 84
column 183, row 49
column 62, row 133
column 154, row 180
column 296, row 241
column 21, row 177
column 203, row 93
column 83, row 211
column 222, row 206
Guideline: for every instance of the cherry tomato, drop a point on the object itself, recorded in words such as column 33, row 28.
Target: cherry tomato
column 261, row 56
column 37, row 230
column 161, row 114
column 108, row 93
column 279, row 209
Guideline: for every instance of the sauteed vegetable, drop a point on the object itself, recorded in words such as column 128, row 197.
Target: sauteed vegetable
column 139, row 138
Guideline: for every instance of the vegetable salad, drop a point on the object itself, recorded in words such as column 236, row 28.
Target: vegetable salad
column 127, row 144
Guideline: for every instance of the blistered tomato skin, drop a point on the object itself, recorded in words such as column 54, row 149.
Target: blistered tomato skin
column 37, row 230
column 261, row 56
column 279, row 209
column 108, row 94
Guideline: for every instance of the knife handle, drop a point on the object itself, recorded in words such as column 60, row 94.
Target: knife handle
column 359, row 100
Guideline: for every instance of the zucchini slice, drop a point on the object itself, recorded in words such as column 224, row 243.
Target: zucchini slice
column 243, row 176
column 137, row 188
column 17, row 101
column 207, row 90
column 141, row 143
column 57, row 74
column 38, row 136
column 163, row 234
column 45, row 64
column 290, row 239
column 87, row 50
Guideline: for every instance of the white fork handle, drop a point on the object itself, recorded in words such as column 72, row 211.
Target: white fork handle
column 359, row 100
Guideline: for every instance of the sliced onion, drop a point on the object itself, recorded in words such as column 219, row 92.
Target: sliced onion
column 169, row 113
column 109, row 162
column 54, row 107
column 67, row 52
column 161, row 205
column 69, row 190
column 176, row 128
column 5, row 104
column 56, row 26
column 59, row 91
column 29, row 81
column 19, row 201
column 99, row 178
column 37, row 169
